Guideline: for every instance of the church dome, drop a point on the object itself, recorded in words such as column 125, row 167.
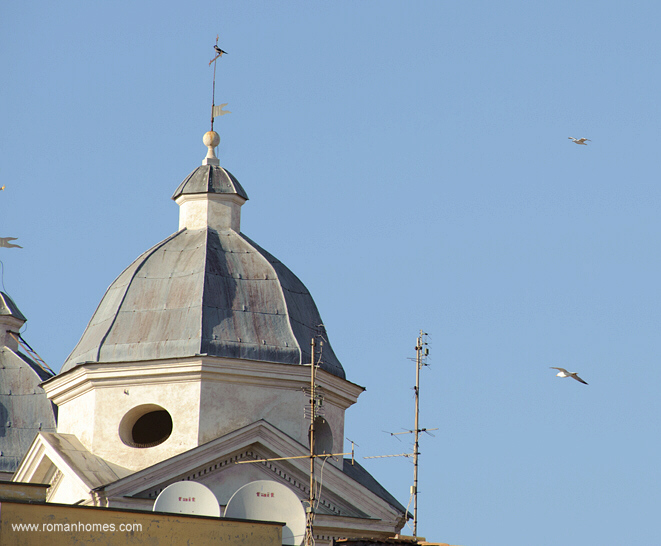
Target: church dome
column 210, row 179
column 206, row 290
column 24, row 408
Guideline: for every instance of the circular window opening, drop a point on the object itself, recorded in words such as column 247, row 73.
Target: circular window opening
column 323, row 437
column 145, row 426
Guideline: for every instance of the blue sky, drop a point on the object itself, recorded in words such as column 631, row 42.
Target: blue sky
column 410, row 163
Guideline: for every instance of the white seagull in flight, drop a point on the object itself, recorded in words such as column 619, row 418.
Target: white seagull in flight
column 579, row 140
column 565, row 373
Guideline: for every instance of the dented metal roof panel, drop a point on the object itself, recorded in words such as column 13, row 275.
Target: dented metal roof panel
column 305, row 320
column 204, row 292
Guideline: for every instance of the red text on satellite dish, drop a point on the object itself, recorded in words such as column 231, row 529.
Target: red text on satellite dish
column 265, row 494
column 185, row 499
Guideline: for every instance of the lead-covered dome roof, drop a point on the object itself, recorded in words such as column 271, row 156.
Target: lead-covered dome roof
column 24, row 408
column 210, row 179
column 205, row 292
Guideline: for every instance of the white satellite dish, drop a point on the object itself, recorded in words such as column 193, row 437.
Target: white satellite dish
column 265, row 500
column 187, row 498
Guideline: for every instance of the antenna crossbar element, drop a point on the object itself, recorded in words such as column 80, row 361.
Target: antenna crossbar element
column 398, row 433
column 317, row 456
column 412, row 431
column 384, row 456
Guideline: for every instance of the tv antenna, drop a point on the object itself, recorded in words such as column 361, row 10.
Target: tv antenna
column 421, row 354
column 312, row 411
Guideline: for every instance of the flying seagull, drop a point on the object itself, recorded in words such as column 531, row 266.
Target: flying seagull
column 565, row 373
column 219, row 51
column 579, row 140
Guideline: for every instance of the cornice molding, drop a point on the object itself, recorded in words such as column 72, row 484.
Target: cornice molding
column 92, row 375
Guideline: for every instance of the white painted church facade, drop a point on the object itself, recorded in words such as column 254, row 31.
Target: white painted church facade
column 198, row 357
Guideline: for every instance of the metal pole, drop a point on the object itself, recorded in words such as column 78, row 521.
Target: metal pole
column 213, row 95
column 418, row 360
column 310, row 515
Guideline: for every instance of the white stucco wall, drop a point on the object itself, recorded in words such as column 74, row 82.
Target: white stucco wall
column 227, row 406
column 94, row 418
column 180, row 400
column 220, row 212
column 206, row 398
column 76, row 417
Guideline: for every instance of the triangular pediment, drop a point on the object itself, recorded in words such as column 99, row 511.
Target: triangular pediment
column 350, row 502
column 69, row 467
column 347, row 498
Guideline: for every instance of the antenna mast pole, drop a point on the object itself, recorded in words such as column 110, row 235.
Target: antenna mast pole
column 420, row 360
column 315, row 401
column 421, row 354
column 310, row 515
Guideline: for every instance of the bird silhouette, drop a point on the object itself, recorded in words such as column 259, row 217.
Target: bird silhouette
column 579, row 140
column 219, row 51
column 565, row 373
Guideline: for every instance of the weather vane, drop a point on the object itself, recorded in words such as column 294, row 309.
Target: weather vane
column 216, row 110
column 6, row 242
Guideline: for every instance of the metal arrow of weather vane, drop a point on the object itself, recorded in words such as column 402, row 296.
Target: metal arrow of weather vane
column 216, row 110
